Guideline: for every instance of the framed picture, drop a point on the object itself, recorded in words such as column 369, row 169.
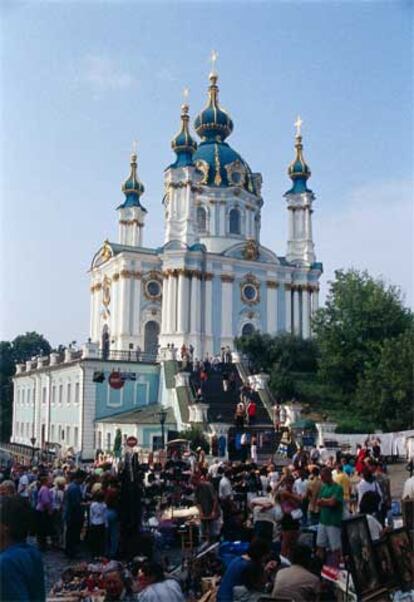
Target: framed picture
column 385, row 563
column 400, row 547
column 361, row 559
column 407, row 509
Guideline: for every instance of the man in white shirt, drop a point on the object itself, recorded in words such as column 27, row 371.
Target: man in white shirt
column 23, row 487
column 213, row 469
column 225, row 489
column 408, row 491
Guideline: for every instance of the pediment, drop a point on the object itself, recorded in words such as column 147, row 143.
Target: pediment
column 257, row 253
column 104, row 254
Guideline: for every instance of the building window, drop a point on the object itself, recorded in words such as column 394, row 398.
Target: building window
column 53, row 394
column 108, row 441
column 52, row 433
column 99, row 440
column 60, row 394
column 248, row 330
column 234, row 221
column 75, row 437
column 68, row 393
column 68, row 435
column 44, row 394
column 77, row 391
column 62, row 433
column 201, row 219
column 27, row 430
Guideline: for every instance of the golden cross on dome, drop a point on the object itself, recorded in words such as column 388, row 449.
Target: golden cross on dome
column 298, row 125
column 186, row 93
column 214, row 56
column 134, row 146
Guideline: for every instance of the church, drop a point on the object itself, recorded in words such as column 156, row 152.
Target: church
column 211, row 281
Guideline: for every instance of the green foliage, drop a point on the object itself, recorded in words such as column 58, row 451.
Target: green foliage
column 359, row 315
column 197, row 438
column 290, row 361
column 21, row 349
column 118, row 443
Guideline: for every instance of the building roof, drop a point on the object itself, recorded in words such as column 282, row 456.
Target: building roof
column 147, row 415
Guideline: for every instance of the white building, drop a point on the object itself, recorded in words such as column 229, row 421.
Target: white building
column 210, row 281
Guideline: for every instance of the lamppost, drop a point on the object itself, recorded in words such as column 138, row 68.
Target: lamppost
column 162, row 415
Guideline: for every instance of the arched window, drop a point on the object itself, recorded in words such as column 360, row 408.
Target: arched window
column 234, row 221
column 151, row 332
column 247, row 330
column 201, row 219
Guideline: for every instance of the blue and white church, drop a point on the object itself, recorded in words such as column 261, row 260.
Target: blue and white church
column 211, row 281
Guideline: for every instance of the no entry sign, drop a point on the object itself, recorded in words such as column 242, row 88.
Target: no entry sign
column 132, row 441
column 115, row 380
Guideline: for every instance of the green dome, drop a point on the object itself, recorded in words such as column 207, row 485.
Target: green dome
column 213, row 123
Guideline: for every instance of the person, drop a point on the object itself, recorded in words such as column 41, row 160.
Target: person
column 244, row 443
column 368, row 483
column 116, row 585
column 369, row 507
column 255, row 555
column 361, row 454
column 408, row 489
column 208, row 506
column 21, row 565
column 158, row 587
column 225, row 489
column 73, row 513
column 44, row 511
column 300, row 486
column 312, row 493
column 7, row 487
column 384, row 482
column 292, row 514
column 240, row 414
column 252, row 583
column 344, row 481
column 330, row 502
column 57, row 515
column 251, row 412
column 98, row 521
column 296, row 582
column 300, row 459
column 24, row 482
column 266, row 521
column 253, row 449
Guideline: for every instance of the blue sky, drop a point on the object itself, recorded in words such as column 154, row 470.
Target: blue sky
column 81, row 80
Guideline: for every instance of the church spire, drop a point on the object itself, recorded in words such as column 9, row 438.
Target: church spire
column 298, row 170
column 183, row 144
column 133, row 188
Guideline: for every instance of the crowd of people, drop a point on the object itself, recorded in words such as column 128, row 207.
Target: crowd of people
column 116, row 513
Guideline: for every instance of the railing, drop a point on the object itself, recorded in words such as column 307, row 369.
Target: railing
column 127, row 356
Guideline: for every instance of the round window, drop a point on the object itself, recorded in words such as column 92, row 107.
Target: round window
column 153, row 288
column 250, row 292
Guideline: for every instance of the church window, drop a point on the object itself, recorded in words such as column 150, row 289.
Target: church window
column 68, row 393
column 151, row 333
column 44, row 394
column 52, row 433
column 53, row 394
column 153, row 289
column 77, row 390
column 201, row 219
column 75, row 437
column 108, row 441
column 105, row 343
column 248, row 330
column 250, row 292
column 68, row 435
column 234, row 221
column 60, row 394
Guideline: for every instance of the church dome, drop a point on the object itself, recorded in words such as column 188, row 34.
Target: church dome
column 298, row 171
column 183, row 144
column 213, row 123
column 132, row 188
column 219, row 163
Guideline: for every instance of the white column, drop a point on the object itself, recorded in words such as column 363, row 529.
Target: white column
column 136, row 309
column 182, row 324
column 222, row 219
column 308, row 227
column 306, row 312
column 226, row 307
column 272, row 308
column 211, row 223
column 315, row 300
column 92, row 313
column 165, row 301
column 288, row 308
column 208, row 307
column 296, row 316
column 173, row 310
column 195, row 308
column 114, row 308
column 123, row 308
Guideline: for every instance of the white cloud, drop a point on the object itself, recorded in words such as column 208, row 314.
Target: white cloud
column 370, row 228
column 102, row 73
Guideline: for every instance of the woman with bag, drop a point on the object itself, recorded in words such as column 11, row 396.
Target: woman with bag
column 292, row 514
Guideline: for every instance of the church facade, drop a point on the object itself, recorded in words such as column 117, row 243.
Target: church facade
column 211, row 281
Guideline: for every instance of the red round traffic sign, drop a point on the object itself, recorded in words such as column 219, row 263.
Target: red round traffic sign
column 132, row 441
column 115, row 380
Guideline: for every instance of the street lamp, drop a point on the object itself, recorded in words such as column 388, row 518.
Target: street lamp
column 162, row 415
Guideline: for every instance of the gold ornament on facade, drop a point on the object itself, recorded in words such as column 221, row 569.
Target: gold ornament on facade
column 271, row 284
column 250, row 290
column 227, row 278
column 202, row 167
column 152, row 277
column 236, row 173
column 251, row 250
column 217, row 177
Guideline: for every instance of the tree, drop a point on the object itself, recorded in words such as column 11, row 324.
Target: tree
column 360, row 314
column 386, row 390
column 197, row 438
column 290, row 361
column 21, row 349
column 118, row 443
